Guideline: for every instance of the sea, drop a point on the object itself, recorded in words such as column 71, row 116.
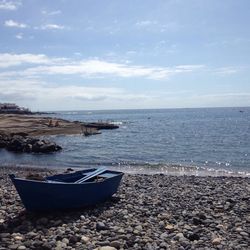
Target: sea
column 199, row 141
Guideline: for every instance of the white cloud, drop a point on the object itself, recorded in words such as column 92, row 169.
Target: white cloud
column 228, row 99
column 236, row 41
column 157, row 26
column 224, row 71
column 44, row 95
column 189, row 68
column 8, row 60
column 29, row 90
column 29, row 83
column 52, row 27
column 131, row 52
column 98, row 68
column 51, row 13
column 17, row 89
column 9, row 5
column 227, row 95
column 94, row 68
column 145, row 23
column 19, row 36
column 11, row 23
column 171, row 27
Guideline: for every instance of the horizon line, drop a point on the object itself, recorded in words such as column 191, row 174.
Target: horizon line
column 123, row 109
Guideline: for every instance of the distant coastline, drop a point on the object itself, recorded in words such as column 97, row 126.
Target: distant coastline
column 140, row 109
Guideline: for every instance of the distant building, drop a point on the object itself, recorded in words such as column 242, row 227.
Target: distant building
column 13, row 108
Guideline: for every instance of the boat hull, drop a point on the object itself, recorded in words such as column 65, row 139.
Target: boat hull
column 45, row 196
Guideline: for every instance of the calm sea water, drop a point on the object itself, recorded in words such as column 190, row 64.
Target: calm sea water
column 197, row 141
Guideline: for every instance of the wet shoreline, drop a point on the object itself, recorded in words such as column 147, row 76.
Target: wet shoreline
column 148, row 169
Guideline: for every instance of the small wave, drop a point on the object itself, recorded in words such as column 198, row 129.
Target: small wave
column 116, row 123
column 167, row 169
column 69, row 113
column 179, row 170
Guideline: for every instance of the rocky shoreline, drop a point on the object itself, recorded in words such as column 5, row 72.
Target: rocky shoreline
column 19, row 133
column 22, row 143
column 36, row 125
column 148, row 212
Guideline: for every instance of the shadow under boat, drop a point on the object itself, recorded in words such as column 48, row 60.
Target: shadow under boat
column 46, row 220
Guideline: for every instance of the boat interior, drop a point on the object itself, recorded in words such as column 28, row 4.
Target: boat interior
column 85, row 176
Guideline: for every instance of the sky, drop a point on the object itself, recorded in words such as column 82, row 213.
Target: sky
column 116, row 54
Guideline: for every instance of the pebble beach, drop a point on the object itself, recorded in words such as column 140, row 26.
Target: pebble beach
column 148, row 212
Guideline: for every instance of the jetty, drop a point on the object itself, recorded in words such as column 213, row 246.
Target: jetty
column 100, row 125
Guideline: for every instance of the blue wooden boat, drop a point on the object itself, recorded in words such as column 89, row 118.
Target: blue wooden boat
column 67, row 191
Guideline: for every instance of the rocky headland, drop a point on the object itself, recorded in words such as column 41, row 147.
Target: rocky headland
column 148, row 212
column 36, row 125
column 21, row 133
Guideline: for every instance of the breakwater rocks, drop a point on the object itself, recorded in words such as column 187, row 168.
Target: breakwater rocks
column 23, row 143
column 148, row 212
column 100, row 125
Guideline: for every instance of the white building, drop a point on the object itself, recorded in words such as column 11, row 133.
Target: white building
column 12, row 107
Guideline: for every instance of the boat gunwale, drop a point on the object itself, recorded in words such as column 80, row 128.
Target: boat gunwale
column 13, row 177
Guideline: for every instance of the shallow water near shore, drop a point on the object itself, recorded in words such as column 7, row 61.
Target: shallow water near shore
column 212, row 141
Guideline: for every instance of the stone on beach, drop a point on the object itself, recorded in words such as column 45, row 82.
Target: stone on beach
column 105, row 248
column 216, row 241
column 149, row 212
